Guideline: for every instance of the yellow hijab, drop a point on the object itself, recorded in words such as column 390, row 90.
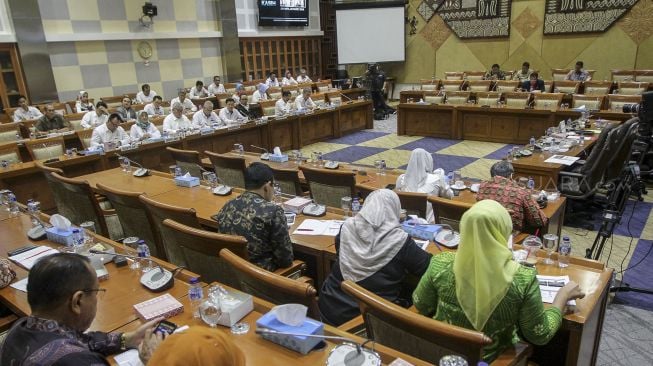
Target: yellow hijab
column 198, row 346
column 483, row 267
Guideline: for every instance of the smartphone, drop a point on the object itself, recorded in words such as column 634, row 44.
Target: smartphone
column 165, row 327
column 390, row 186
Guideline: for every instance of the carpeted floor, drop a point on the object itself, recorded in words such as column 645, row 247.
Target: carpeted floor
column 627, row 335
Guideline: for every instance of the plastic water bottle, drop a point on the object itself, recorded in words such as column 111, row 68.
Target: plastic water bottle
column 144, row 255
column 78, row 240
column 564, row 252
column 178, row 172
column 34, row 210
column 383, row 166
column 355, row 206
column 531, row 183
column 531, row 143
column 14, row 210
column 195, row 295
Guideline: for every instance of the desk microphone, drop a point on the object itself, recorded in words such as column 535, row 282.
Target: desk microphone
column 140, row 172
column 345, row 96
column 265, row 155
column 52, row 158
column 155, row 281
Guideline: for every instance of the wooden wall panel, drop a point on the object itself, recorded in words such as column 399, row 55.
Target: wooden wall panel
column 263, row 55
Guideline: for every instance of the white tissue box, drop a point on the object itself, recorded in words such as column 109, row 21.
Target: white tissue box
column 235, row 306
column 296, row 343
column 187, row 181
column 64, row 237
column 296, row 205
column 279, row 158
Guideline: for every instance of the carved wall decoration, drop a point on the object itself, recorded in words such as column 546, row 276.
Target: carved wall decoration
column 470, row 19
column 637, row 23
column 427, row 9
column 583, row 16
column 435, row 32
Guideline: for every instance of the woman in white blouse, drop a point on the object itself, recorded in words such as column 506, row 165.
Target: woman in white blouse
column 143, row 129
column 260, row 94
column 83, row 104
column 288, row 79
column 421, row 178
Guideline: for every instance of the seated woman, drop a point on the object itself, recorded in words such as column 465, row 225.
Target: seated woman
column 480, row 287
column 194, row 347
column 374, row 252
column 83, row 104
column 143, row 129
column 421, row 178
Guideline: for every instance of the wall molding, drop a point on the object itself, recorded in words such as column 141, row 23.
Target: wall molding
column 263, row 34
column 76, row 37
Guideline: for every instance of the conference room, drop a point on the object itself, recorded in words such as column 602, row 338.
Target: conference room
column 214, row 162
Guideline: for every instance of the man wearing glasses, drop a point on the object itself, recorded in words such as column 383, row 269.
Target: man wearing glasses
column 63, row 292
column 52, row 121
column 110, row 134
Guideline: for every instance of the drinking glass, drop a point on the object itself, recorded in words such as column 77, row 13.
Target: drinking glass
column 277, row 193
column 206, row 177
column 550, row 241
column 345, row 204
column 122, row 164
column 239, row 149
column 213, row 180
column 88, row 227
column 314, row 158
column 211, row 311
column 457, row 175
column 531, row 244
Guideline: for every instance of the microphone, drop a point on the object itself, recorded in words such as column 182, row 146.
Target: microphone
column 345, row 96
column 155, row 281
column 52, row 158
column 265, row 155
column 140, row 172
column 134, row 257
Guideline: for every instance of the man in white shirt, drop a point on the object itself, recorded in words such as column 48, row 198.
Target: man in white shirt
column 229, row 115
column 206, row 117
column 288, row 79
column 303, row 78
column 24, row 112
column 216, row 87
column 97, row 117
column 154, row 108
column 186, row 103
column 272, row 80
column 260, row 94
column 198, row 91
column 146, row 95
column 304, row 101
column 241, row 105
column 283, row 105
column 110, row 132
column 176, row 120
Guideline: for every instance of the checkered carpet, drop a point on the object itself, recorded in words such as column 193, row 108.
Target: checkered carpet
column 626, row 250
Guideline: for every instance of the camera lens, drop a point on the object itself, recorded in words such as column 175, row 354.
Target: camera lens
column 631, row 108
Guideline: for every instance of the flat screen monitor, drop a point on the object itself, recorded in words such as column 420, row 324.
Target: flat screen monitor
column 283, row 13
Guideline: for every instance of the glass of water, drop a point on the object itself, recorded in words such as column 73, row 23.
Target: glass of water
column 345, row 204
column 550, row 241
column 211, row 311
column 277, row 193
column 206, row 177
column 239, row 149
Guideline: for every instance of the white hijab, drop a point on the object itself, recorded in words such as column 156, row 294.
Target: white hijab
column 369, row 240
column 419, row 167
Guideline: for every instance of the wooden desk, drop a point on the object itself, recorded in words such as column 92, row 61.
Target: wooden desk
column 115, row 309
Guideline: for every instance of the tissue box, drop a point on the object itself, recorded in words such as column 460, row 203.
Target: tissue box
column 235, row 306
column 296, row 343
column 164, row 305
column 424, row 232
column 64, row 237
column 279, row 158
column 296, row 205
column 187, row 181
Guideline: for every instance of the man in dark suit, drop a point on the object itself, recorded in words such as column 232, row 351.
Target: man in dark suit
column 534, row 83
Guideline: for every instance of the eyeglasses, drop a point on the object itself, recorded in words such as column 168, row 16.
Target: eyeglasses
column 100, row 291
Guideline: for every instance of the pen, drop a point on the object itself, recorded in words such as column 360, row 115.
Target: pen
column 304, row 229
column 437, row 245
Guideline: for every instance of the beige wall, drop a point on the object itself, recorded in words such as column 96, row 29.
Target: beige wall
column 435, row 49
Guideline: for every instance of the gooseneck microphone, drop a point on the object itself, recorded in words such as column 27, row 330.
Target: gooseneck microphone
column 141, row 171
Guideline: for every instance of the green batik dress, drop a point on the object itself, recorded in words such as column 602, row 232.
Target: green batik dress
column 522, row 307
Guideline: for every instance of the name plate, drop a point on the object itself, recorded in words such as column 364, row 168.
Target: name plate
column 206, row 131
column 233, row 127
column 128, row 147
column 261, row 122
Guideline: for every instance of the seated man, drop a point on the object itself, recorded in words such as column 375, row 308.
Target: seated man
column 25, row 112
column 578, row 74
column 206, row 117
column 97, row 117
column 302, row 77
column 304, row 101
column 176, row 120
column 155, row 108
column 186, row 103
column 110, row 132
column 524, row 74
column 146, row 95
column 495, row 73
column 198, row 91
column 63, row 292
column 52, row 121
column 260, row 221
column 242, row 107
column 522, row 207
column 272, row 80
column 261, row 93
column 283, row 105
column 229, row 115
column 216, row 87
column 534, row 83
column 126, row 112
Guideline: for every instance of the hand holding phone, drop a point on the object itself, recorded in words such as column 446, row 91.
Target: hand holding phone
column 165, row 327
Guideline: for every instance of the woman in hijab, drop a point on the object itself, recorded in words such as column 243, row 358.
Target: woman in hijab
column 260, row 94
column 143, row 129
column 83, row 104
column 421, row 178
column 480, row 287
column 198, row 346
column 374, row 252
column 239, row 90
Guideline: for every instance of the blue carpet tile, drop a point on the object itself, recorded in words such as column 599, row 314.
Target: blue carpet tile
column 429, row 144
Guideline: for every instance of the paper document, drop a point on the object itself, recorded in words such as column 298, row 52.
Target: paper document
column 550, row 285
column 422, row 243
column 129, row 358
column 319, row 227
column 20, row 285
column 561, row 159
column 28, row 258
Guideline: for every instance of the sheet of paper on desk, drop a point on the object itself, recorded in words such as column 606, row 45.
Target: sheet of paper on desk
column 28, row 258
column 561, row 159
column 20, row 285
column 319, row 227
column 550, row 285
column 422, row 243
column 128, row 358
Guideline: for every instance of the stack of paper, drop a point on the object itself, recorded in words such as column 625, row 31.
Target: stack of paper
column 28, row 258
column 561, row 159
column 319, row 227
column 550, row 285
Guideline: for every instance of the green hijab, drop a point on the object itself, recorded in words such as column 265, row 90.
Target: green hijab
column 483, row 267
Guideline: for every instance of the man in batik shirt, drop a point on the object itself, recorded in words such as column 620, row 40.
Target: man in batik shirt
column 263, row 223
